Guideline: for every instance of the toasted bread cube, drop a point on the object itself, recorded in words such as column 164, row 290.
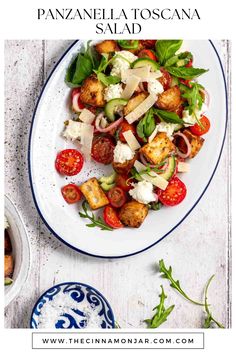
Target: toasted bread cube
column 8, row 265
column 107, row 46
column 170, row 99
column 196, row 142
column 133, row 213
column 94, row 194
column 92, row 92
column 134, row 102
column 157, row 150
column 125, row 167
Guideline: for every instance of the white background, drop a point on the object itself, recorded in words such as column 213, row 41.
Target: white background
column 19, row 21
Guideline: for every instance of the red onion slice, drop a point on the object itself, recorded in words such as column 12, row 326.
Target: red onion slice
column 75, row 105
column 146, row 163
column 110, row 127
column 189, row 148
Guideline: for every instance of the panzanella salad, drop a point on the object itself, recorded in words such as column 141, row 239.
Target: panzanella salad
column 137, row 105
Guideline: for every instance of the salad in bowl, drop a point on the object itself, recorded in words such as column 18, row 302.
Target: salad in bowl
column 136, row 105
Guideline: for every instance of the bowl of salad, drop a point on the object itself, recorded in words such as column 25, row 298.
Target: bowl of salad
column 138, row 128
column 16, row 252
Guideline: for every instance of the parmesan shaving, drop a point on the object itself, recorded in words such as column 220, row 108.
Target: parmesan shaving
column 152, row 176
column 154, row 133
column 142, row 73
column 141, row 109
column 86, row 139
column 154, row 75
column 86, row 116
column 183, row 166
column 132, row 83
column 131, row 140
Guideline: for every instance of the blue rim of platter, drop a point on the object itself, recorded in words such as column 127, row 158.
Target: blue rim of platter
column 184, row 217
column 73, row 283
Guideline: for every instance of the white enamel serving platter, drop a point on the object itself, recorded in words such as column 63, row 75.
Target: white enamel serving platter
column 45, row 142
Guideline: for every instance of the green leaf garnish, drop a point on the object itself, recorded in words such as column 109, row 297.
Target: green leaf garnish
column 95, row 222
column 185, row 73
column 167, row 274
column 146, row 125
column 161, row 312
column 167, row 48
column 209, row 319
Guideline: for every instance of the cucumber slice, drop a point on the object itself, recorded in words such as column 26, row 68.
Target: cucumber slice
column 8, row 281
column 111, row 107
column 145, row 62
column 108, row 179
column 181, row 62
column 106, row 187
column 170, row 168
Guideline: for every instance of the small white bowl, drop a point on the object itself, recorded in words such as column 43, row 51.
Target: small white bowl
column 20, row 249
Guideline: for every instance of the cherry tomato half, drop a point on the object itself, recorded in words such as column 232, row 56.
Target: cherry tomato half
column 189, row 64
column 124, row 127
column 198, row 130
column 111, row 218
column 121, row 181
column 166, row 79
column 174, row 193
column 71, row 193
column 73, row 93
column 147, row 53
column 69, row 162
column 102, row 149
column 117, row 197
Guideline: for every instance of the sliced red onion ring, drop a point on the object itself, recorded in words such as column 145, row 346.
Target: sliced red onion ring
column 189, row 148
column 141, row 86
column 75, row 105
column 110, row 127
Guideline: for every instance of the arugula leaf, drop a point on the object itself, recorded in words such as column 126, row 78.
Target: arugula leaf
column 161, row 313
column 155, row 205
column 94, row 222
column 108, row 80
column 193, row 96
column 167, row 274
column 146, row 125
column 166, row 49
column 185, row 73
column 138, row 175
column 168, row 117
column 209, row 319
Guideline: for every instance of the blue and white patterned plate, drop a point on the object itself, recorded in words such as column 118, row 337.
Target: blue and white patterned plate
column 83, row 295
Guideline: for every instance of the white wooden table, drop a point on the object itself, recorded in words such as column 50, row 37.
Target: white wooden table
column 198, row 248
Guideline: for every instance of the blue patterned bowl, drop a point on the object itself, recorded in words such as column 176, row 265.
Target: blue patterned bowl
column 83, row 295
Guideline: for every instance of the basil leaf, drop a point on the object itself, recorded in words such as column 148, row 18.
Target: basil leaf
column 146, row 125
column 108, row 80
column 168, row 117
column 172, row 61
column 92, row 55
column 185, row 73
column 167, row 48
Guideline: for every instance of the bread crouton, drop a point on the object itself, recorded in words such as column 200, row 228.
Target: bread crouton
column 196, row 142
column 107, row 46
column 170, row 99
column 94, row 194
column 133, row 213
column 160, row 147
column 8, row 265
column 134, row 102
column 125, row 167
column 92, row 92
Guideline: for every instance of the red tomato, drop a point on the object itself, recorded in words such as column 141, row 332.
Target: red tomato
column 198, row 130
column 148, row 43
column 102, row 149
column 166, row 79
column 69, row 162
column 117, row 197
column 179, row 111
column 185, row 82
column 111, row 218
column 73, row 93
column 71, row 193
column 147, row 53
column 174, row 193
column 121, row 181
column 124, row 127
column 189, row 64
